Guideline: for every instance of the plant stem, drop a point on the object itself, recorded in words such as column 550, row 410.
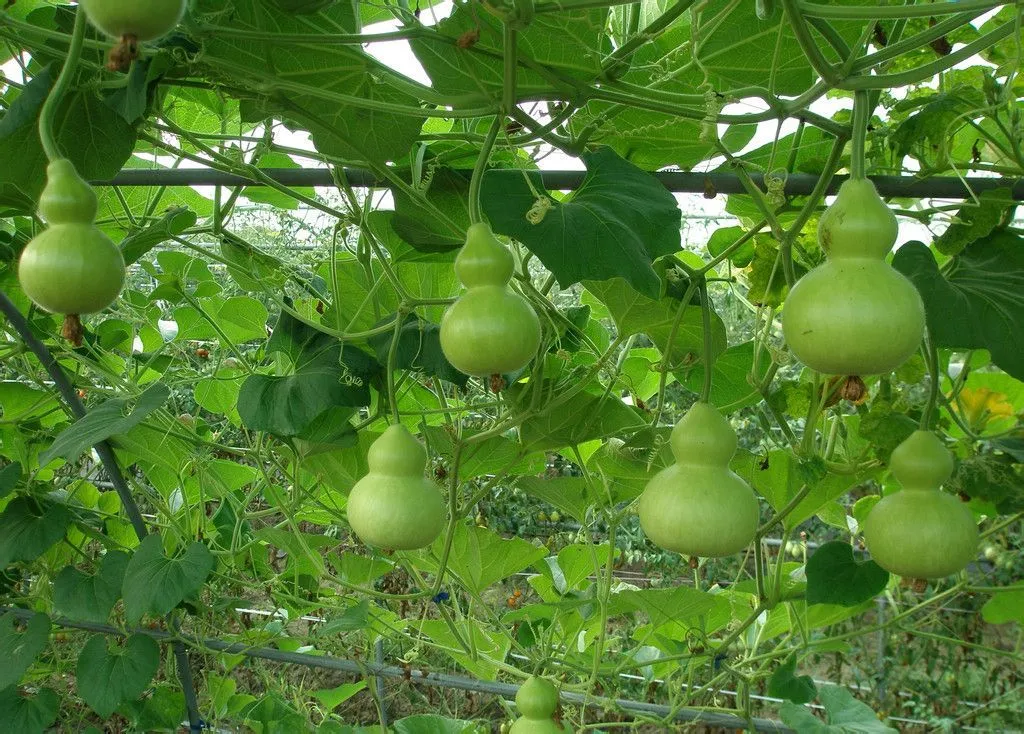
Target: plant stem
column 476, row 182
column 705, row 314
column 859, row 129
column 932, row 360
column 49, row 110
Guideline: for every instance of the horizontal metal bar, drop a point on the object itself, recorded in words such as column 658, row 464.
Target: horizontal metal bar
column 419, row 677
column 945, row 187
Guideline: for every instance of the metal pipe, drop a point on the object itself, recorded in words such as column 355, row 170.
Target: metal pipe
column 420, row 677
column 945, row 187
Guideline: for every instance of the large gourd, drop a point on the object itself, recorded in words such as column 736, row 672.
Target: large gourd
column 141, row 20
column 854, row 314
column 698, row 506
column 489, row 329
column 537, row 700
column 70, row 267
column 394, row 507
column 921, row 532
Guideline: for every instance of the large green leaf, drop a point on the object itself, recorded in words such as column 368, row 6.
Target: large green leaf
column 28, row 527
column 844, row 713
column 834, row 576
column 480, row 557
column 635, row 313
column 477, row 72
column 155, row 584
column 785, row 684
column 109, row 676
column 615, row 224
column 1006, row 605
column 81, row 596
column 107, row 419
column 418, row 348
column 324, row 375
column 28, row 714
column 335, row 91
column 174, row 221
column 19, row 650
column 979, row 301
column 731, row 388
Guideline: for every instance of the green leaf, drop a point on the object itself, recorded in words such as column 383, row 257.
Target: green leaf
column 423, row 227
column 252, row 269
column 476, row 74
column 480, row 557
column 635, row 313
column 570, row 495
column 81, row 596
column 10, row 477
column 162, row 710
column 765, row 275
column 434, row 724
column 884, row 428
column 990, row 479
column 979, row 301
column 490, row 456
column 418, row 348
column 844, row 715
column 270, row 195
column 614, row 225
column 109, row 676
column 107, row 419
column 583, row 417
column 332, row 698
column 330, row 82
column 324, row 375
column 174, row 221
column 28, row 714
column 1006, row 605
column 930, row 128
column 28, row 528
column 730, row 375
column 354, row 618
column 668, row 606
column 784, row 684
column 19, row 650
column 724, row 237
column 976, row 220
column 155, row 584
column 835, row 577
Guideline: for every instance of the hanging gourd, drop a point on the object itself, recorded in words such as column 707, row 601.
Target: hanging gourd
column 698, row 506
column 537, row 701
column 921, row 532
column 490, row 329
column 395, row 507
column 854, row 314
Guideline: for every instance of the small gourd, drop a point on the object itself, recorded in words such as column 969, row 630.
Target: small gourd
column 490, row 329
column 921, row 532
column 395, row 507
column 854, row 314
column 698, row 506
column 70, row 267
column 537, row 700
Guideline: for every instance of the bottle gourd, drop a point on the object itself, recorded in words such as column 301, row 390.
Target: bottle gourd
column 698, row 506
column 489, row 329
column 395, row 507
column 537, row 701
column 921, row 532
column 854, row 314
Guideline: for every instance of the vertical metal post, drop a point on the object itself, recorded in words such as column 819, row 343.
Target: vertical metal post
column 378, row 657
column 880, row 674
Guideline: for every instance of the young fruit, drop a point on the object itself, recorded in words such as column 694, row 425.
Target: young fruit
column 143, row 20
column 854, row 314
column 394, row 506
column 537, row 700
column 490, row 329
column 698, row 506
column 921, row 532
column 70, row 267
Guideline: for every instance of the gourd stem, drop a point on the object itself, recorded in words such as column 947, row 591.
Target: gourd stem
column 476, row 182
column 859, row 128
column 705, row 313
column 49, row 110
column 932, row 360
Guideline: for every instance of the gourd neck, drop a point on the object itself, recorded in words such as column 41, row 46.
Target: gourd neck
column 483, row 260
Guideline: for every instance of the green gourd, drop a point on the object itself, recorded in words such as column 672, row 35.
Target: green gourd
column 490, row 329
column 921, row 532
column 698, row 506
column 537, row 701
column 854, row 314
column 395, row 507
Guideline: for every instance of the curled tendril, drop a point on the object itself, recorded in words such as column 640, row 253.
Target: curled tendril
column 541, row 206
column 775, row 184
column 713, row 103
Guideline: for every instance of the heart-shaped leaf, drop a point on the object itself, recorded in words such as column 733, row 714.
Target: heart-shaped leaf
column 109, row 676
column 28, row 528
column 19, row 649
column 81, row 596
column 28, row 714
column 155, row 584
column 835, row 577
column 786, row 685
